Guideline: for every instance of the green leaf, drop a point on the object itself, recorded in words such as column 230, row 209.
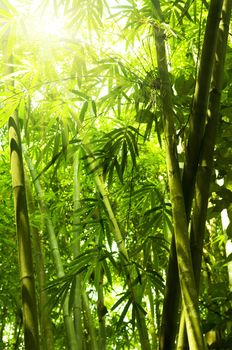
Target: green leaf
column 94, row 107
column 184, row 85
column 139, row 308
column 124, row 312
column 118, row 169
column 7, row 111
column 132, row 150
column 120, row 300
column 110, row 170
column 124, row 157
column 81, row 94
column 56, row 144
column 83, row 111
column 148, row 130
column 144, row 116
column 107, row 272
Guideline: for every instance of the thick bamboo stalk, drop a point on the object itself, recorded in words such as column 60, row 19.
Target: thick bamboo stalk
column 186, row 276
column 200, row 103
column 206, row 162
column 29, row 304
column 30, row 320
column 197, row 125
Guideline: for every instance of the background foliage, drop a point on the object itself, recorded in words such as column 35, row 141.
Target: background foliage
column 85, row 80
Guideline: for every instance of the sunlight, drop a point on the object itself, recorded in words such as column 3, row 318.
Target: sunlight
column 49, row 25
column 45, row 23
column 41, row 21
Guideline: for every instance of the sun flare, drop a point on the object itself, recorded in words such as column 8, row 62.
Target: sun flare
column 48, row 24
column 41, row 20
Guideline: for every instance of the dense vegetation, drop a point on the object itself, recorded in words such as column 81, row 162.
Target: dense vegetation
column 116, row 175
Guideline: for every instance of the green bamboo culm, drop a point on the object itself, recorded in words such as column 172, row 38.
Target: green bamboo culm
column 77, row 307
column 206, row 157
column 197, row 127
column 44, row 317
column 185, row 269
column 118, row 237
column 69, row 325
column 30, row 320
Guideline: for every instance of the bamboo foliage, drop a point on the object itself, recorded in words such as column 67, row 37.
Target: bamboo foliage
column 109, row 127
column 127, row 266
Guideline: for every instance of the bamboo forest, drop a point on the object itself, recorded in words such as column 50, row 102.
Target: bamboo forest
column 116, row 174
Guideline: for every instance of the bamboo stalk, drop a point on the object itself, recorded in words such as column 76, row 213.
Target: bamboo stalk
column 30, row 319
column 77, row 308
column 206, row 162
column 29, row 303
column 200, row 103
column 186, row 276
column 69, row 326
column 197, row 126
column 46, row 333
column 129, row 270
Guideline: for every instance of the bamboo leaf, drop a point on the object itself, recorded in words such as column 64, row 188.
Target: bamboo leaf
column 56, row 144
column 83, row 111
column 50, row 163
column 132, row 150
column 148, row 130
column 90, row 271
column 124, row 157
column 7, row 111
column 65, row 138
column 94, row 107
column 118, row 169
column 107, row 272
column 110, row 170
column 134, row 140
column 139, row 308
column 120, row 300
column 124, row 312
column 81, row 94
column 144, row 116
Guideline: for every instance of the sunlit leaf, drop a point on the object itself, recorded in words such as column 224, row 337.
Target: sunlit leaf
column 83, row 111
column 121, row 300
